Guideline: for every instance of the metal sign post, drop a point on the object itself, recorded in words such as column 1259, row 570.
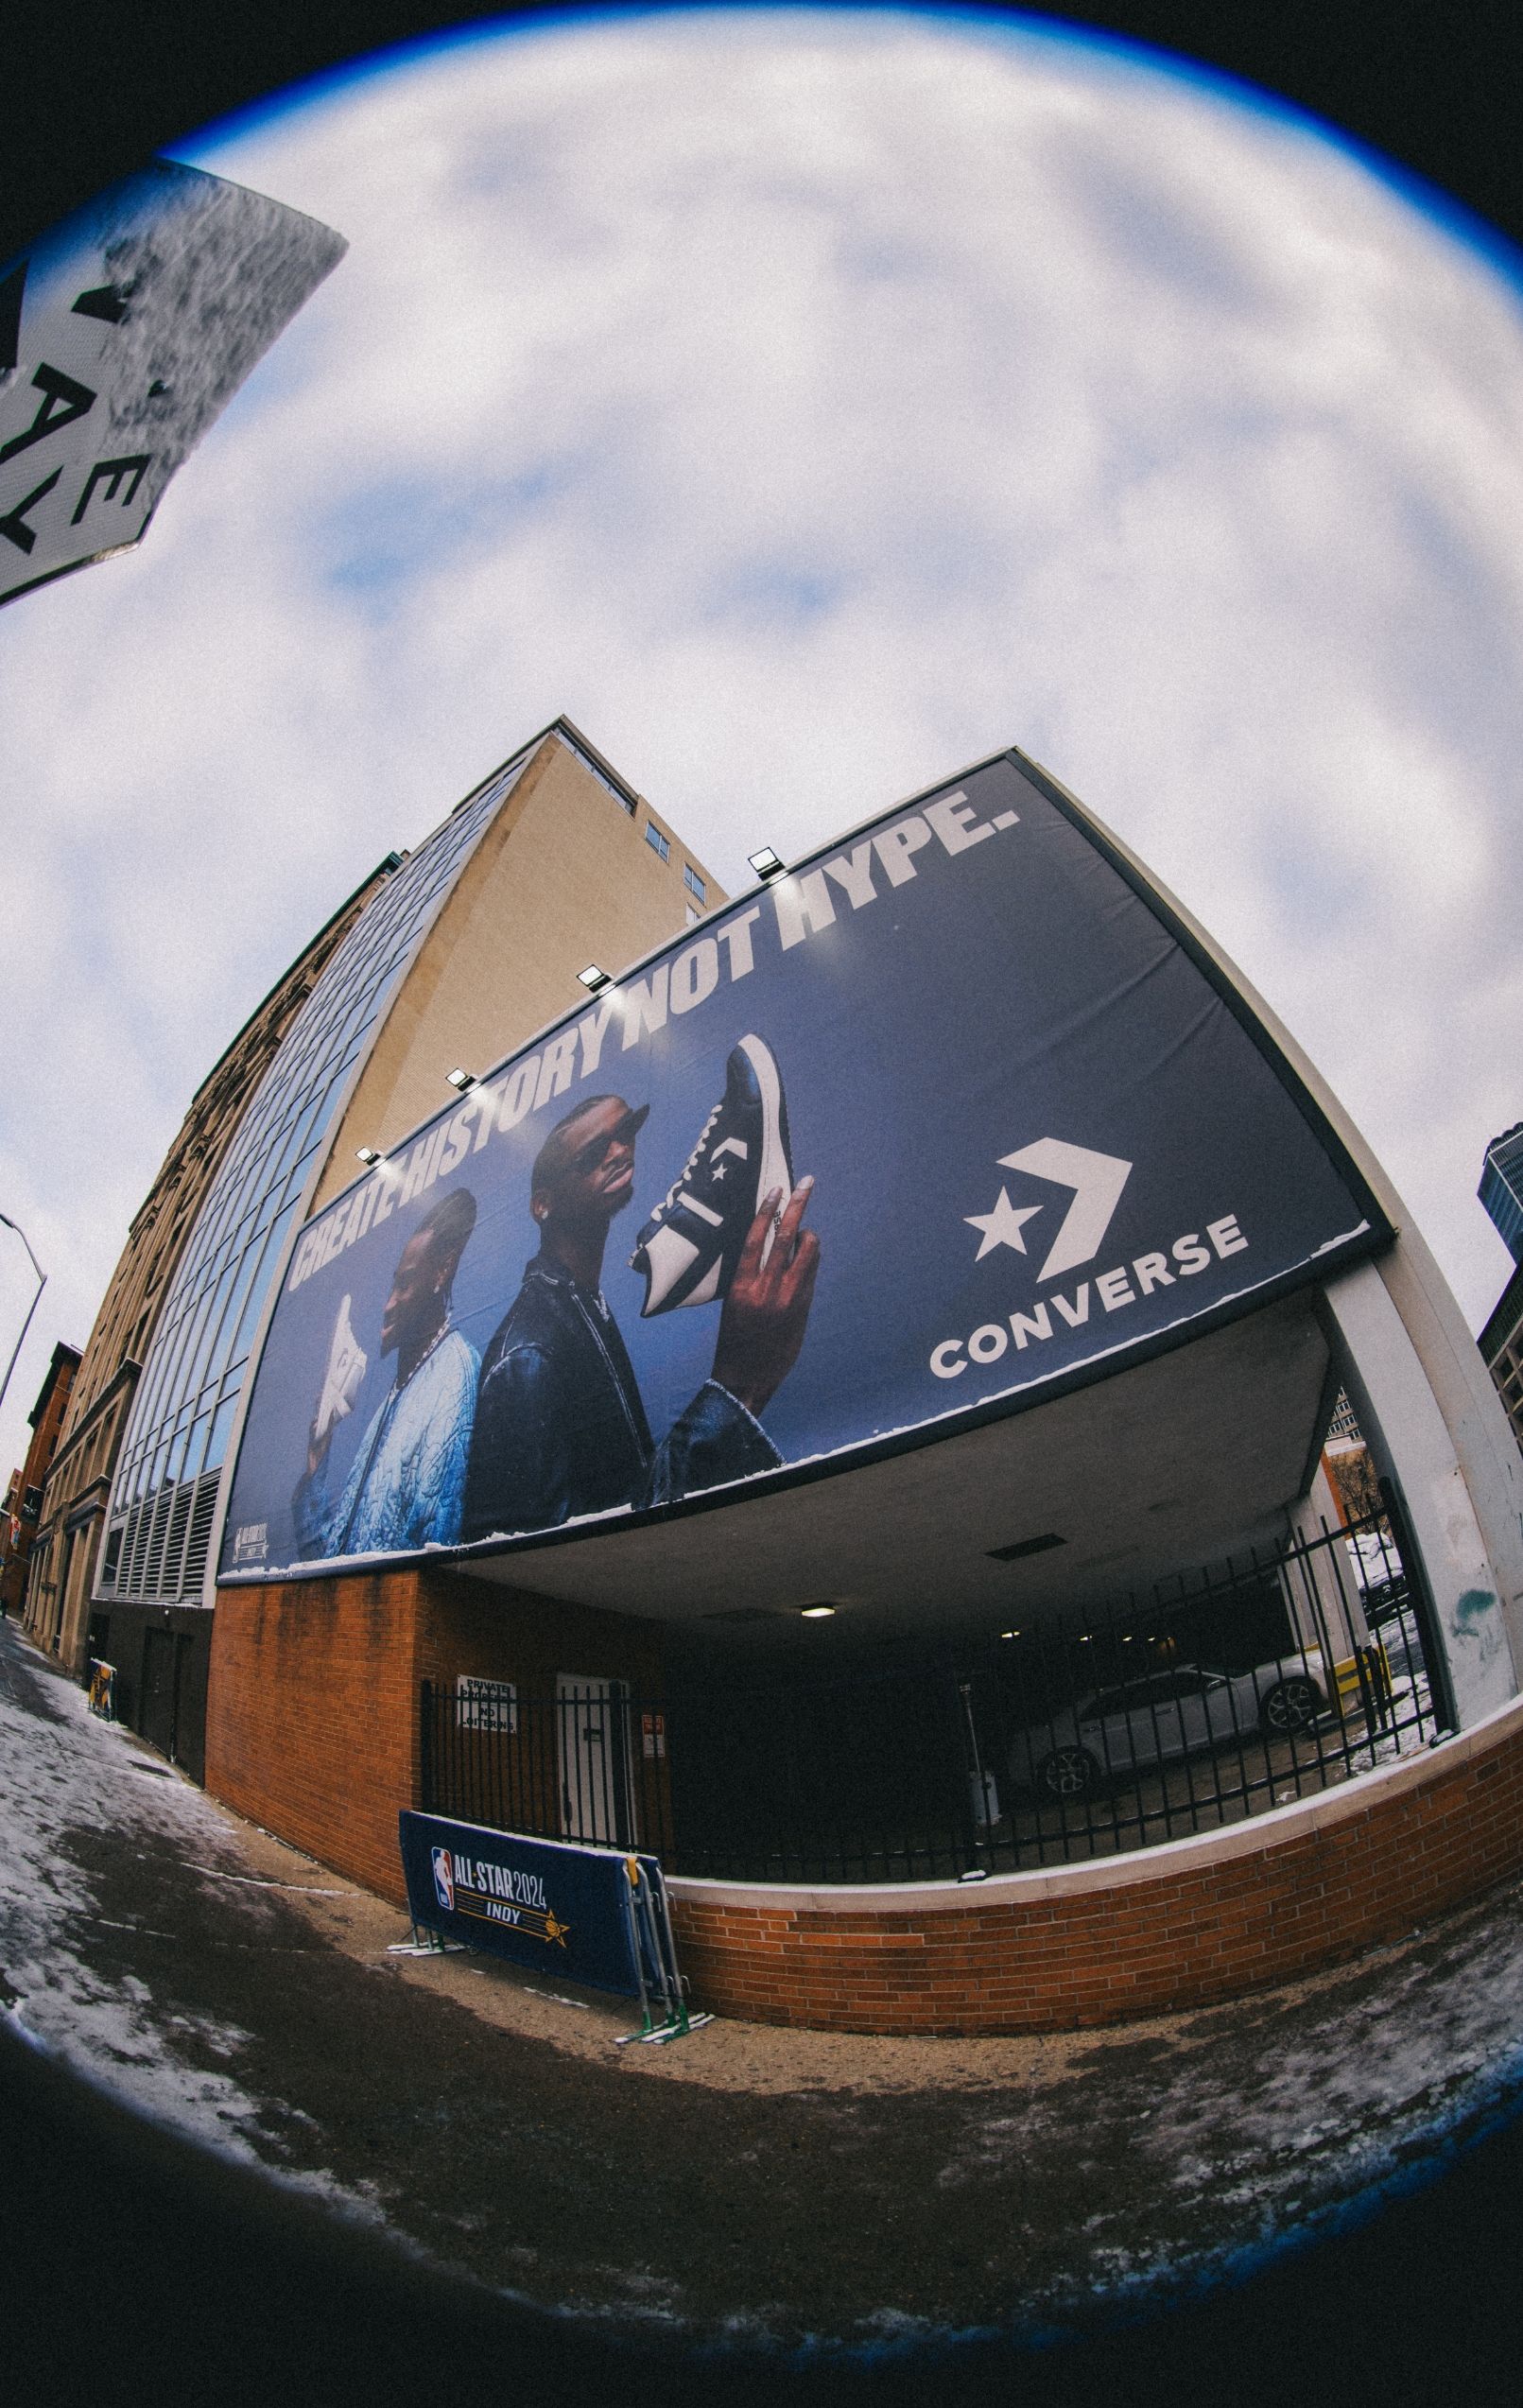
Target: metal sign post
column 655, row 1947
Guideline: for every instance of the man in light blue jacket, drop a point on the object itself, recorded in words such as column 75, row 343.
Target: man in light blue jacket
column 405, row 1485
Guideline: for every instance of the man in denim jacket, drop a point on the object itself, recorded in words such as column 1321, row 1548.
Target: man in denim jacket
column 560, row 1430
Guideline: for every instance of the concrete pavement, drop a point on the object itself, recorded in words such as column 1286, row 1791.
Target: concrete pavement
column 782, row 2198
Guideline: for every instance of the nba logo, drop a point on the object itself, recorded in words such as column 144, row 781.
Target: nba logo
column 443, row 1879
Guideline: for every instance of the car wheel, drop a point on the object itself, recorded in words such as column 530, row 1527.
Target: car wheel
column 1289, row 1707
column 1068, row 1774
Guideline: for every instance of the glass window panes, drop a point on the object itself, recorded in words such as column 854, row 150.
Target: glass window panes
column 658, row 843
column 198, row 1351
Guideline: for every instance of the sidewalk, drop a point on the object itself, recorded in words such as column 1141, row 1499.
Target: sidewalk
column 756, row 2188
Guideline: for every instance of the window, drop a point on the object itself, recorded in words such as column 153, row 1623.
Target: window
column 694, row 884
column 658, row 843
column 220, row 1285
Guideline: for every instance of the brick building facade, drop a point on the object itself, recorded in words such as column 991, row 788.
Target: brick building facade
column 305, row 1687
column 22, row 1529
column 72, row 1508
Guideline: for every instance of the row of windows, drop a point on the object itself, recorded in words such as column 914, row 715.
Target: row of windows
column 661, row 846
column 187, row 1400
column 1507, row 1371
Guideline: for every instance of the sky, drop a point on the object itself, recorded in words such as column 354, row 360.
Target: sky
column 807, row 406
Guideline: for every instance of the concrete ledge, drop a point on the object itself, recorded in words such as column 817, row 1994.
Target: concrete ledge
column 1248, row 1838
column 1187, row 1924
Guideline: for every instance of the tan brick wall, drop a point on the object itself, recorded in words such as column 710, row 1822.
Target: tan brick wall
column 562, row 876
column 1044, row 1953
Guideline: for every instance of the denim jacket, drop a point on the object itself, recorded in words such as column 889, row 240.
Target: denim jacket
column 560, row 1428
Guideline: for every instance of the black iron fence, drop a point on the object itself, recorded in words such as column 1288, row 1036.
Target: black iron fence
column 1210, row 1699
column 588, row 1762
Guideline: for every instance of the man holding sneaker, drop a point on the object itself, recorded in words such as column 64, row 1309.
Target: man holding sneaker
column 561, row 1431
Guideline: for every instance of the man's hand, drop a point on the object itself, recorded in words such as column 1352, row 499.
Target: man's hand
column 761, row 1327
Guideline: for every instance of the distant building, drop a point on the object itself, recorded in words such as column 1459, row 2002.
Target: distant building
column 1346, row 1462
column 1502, row 1347
column 72, row 1509
column 1501, row 1187
column 1502, row 1340
column 18, row 1535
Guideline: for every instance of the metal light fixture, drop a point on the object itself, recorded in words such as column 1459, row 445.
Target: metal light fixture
column 368, row 1157
column 766, row 863
column 461, row 1079
column 593, row 979
column 41, row 1283
column 815, row 1613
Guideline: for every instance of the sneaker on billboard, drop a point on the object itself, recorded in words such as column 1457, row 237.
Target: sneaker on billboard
column 347, row 1366
column 689, row 1247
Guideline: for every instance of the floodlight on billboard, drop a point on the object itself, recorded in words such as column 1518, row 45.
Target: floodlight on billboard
column 954, row 1116
column 124, row 333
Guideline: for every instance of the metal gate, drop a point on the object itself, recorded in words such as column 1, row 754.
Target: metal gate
column 1216, row 1696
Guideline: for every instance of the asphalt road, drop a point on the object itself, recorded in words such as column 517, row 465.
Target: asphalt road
column 220, row 2029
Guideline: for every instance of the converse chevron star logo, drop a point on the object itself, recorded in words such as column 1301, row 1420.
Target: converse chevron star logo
column 1094, row 1181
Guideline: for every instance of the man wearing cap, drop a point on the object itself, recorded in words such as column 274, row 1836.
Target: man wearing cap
column 560, row 1428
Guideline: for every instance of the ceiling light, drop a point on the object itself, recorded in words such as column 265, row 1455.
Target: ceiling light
column 1009, row 1634
column 593, row 979
column 815, row 1613
column 766, row 863
column 368, row 1157
column 461, row 1079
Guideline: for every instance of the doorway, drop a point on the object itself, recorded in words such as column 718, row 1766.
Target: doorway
column 593, row 1761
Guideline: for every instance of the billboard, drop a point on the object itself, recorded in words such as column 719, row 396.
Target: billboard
column 949, row 1116
column 123, row 334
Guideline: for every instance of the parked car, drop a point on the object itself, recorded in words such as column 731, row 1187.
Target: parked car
column 1387, row 1600
column 1379, row 1573
column 1162, row 1716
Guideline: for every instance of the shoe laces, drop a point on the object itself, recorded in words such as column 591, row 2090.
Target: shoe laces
column 691, row 1164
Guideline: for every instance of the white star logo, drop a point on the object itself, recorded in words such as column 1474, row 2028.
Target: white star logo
column 1001, row 1227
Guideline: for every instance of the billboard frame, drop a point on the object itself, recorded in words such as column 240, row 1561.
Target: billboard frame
column 1377, row 1232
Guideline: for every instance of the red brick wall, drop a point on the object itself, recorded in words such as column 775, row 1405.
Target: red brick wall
column 312, row 1704
column 1049, row 1952
column 311, row 1715
column 311, row 1730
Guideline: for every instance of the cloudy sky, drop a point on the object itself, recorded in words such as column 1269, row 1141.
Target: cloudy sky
column 806, row 406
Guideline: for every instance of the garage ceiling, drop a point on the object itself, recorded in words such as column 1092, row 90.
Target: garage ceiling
column 1156, row 1470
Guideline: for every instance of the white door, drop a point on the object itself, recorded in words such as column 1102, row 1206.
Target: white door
column 592, row 1755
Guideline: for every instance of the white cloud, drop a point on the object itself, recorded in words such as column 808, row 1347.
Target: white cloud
column 806, row 405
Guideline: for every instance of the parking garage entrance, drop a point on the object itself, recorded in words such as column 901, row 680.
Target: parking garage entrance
column 1214, row 1696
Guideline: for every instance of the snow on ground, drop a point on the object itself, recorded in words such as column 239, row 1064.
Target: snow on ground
column 1015, row 2178
column 63, row 1770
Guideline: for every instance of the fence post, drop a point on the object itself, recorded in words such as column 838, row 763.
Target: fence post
column 426, row 1747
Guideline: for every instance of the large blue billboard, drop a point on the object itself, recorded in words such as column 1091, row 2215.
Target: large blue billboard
column 951, row 1115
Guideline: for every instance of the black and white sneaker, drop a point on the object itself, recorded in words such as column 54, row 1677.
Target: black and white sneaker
column 689, row 1247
